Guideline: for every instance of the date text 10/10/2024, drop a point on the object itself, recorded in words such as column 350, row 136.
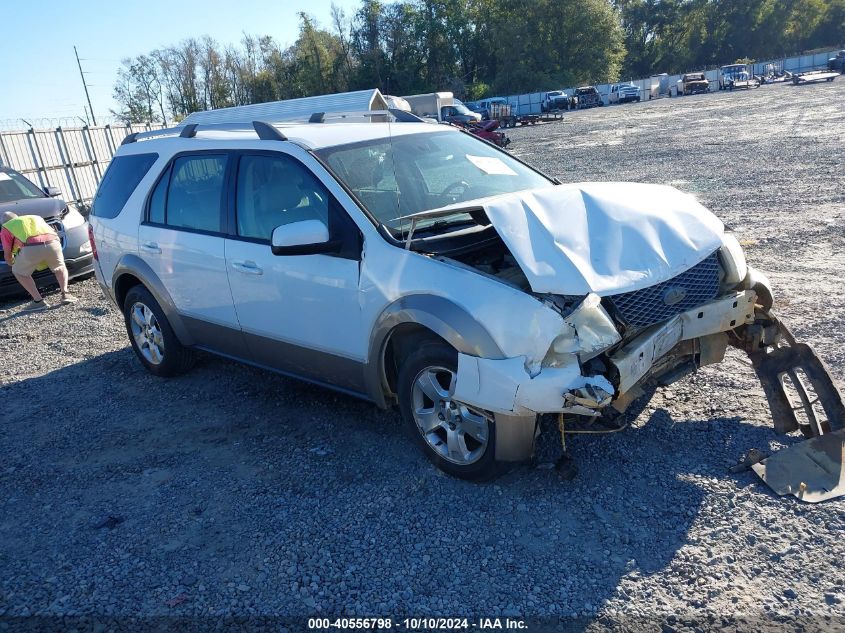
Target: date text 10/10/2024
column 418, row 624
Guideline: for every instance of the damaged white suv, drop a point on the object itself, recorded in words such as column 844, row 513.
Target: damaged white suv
column 414, row 264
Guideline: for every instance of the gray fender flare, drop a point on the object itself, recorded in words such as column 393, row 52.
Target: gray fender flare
column 440, row 315
column 133, row 265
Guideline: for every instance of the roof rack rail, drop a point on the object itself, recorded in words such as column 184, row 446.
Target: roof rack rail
column 189, row 131
column 265, row 131
column 268, row 132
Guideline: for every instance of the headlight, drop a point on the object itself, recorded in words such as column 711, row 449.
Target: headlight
column 733, row 261
column 72, row 219
column 759, row 283
column 589, row 331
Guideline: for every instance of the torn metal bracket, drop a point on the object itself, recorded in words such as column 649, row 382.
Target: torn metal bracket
column 778, row 361
column 812, row 471
column 774, row 367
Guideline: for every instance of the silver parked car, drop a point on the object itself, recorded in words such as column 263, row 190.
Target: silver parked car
column 21, row 196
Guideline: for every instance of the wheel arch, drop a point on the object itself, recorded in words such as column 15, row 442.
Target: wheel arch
column 412, row 319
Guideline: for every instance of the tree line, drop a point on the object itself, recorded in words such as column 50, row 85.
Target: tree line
column 474, row 48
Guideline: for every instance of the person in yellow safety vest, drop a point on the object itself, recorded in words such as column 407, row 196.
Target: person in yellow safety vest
column 30, row 244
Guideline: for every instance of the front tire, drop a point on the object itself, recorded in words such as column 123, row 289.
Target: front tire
column 460, row 440
column 151, row 336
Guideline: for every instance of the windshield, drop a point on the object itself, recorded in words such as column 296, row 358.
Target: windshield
column 419, row 172
column 461, row 108
column 13, row 187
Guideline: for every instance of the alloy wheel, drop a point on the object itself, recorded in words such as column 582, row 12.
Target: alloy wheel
column 455, row 431
column 147, row 333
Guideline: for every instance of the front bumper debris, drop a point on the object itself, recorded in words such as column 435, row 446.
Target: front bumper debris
column 797, row 384
column 802, row 396
column 812, row 470
column 504, row 386
column 637, row 357
column 799, row 388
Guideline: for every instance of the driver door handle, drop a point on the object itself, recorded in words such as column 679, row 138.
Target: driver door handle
column 247, row 267
column 151, row 247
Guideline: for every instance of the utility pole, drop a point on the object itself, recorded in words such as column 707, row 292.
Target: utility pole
column 85, row 85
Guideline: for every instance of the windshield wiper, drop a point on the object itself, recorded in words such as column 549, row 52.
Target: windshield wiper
column 473, row 211
column 439, row 224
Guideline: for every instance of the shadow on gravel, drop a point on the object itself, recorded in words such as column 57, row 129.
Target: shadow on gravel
column 231, row 477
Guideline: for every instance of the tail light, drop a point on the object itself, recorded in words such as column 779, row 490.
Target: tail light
column 93, row 243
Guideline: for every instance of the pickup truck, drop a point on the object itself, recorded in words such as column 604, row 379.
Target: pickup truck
column 588, row 97
column 692, row 83
column 837, row 64
column 494, row 109
column 623, row 93
column 557, row 100
column 736, row 76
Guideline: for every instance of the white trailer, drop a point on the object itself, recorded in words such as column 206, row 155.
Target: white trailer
column 428, row 105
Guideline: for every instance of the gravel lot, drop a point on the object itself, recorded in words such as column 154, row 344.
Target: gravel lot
column 234, row 491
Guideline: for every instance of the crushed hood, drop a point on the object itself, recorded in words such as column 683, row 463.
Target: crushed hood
column 604, row 238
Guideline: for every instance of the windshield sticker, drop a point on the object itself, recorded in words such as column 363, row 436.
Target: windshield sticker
column 4, row 176
column 491, row 165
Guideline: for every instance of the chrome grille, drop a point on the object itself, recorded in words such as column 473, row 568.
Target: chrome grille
column 641, row 308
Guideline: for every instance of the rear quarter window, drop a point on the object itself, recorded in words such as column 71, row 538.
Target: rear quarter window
column 120, row 180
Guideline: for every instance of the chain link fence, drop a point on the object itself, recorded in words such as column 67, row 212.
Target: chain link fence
column 70, row 158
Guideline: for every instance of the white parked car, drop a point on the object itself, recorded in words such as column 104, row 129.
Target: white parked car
column 415, row 265
column 623, row 93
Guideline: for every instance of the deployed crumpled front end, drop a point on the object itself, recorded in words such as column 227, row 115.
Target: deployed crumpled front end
column 649, row 288
column 646, row 283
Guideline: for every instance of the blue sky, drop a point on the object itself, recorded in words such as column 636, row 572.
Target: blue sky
column 40, row 75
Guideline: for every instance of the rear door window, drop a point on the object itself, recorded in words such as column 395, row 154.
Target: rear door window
column 120, row 180
column 194, row 196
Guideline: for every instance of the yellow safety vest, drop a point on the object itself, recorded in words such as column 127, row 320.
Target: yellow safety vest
column 24, row 227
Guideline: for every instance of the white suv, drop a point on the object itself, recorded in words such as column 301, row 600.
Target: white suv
column 414, row 264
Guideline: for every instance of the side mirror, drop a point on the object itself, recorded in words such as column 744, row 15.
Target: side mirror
column 306, row 237
column 53, row 192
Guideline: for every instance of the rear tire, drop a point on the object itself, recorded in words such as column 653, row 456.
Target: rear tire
column 151, row 336
column 459, row 440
